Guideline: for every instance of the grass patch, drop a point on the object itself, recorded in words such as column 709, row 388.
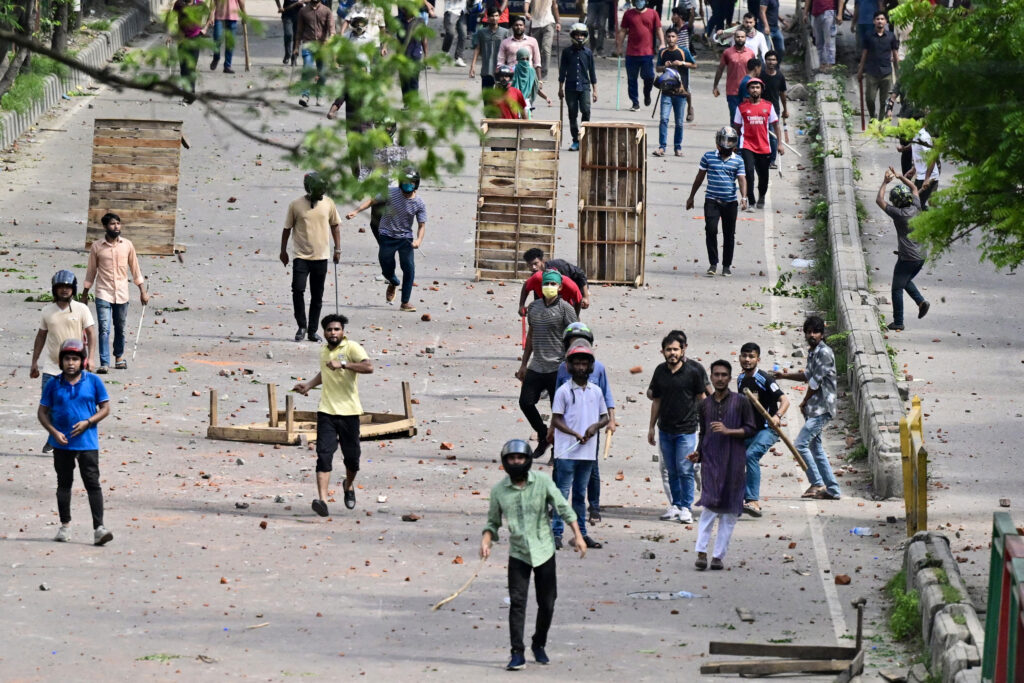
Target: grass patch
column 905, row 617
column 837, row 342
column 858, row 454
column 29, row 86
column 99, row 25
column 158, row 657
column 949, row 594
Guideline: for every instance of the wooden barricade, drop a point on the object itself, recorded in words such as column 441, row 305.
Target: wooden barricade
column 915, row 469
column 1003, row 657
column 135, row 175
column 613, row 202
column 518, row 192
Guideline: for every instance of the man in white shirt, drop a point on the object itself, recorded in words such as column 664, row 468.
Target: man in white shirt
column 544, row 24
column 925, row 174
column 455, row 30
column 756, row 40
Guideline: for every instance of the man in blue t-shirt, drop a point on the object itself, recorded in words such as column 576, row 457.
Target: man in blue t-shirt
column 723, row 169
column 73, row 403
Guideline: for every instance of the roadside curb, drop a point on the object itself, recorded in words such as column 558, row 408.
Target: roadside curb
column 953, row 635
column 873, row 387
column 96, row 54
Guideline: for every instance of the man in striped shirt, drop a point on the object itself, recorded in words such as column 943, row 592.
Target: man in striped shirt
column 723, row 169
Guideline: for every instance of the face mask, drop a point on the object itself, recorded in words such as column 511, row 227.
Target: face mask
column 518, row 472
column 549, row 291
column 640, row 4
column 407, row 188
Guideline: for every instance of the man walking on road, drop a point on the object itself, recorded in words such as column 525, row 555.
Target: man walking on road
column 754, row 119
column 507, row 51
column 877, row 68
column 724, row 170
column 726, row 421
column 486, row 43
column 573, row 279
column 925, row 173
column 111, row 259
column 734, row 64
column 676, row 388
column 824, row 16
column 313, row 217
column 225, row 15
column 904, row 203
column 577, row 81
column 775, row 92
column 71, row 407
column 315, row 27
column 639, row 28
column 337, row 416
column 818, row 408
column 547, row 317
column 773, row 400
column 544, row 24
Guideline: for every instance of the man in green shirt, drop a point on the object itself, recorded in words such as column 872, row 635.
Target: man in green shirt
column 523, row 497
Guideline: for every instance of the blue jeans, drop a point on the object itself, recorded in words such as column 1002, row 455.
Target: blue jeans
column 778, row 42
column 594, row 487
column 307, row 72
column 902, row 279
column 734, row 101
column 106, row 313
column 808, row 444
column 774, row 142
column 386, row 256
column 644, row 68
column 671, row 104
column 575, row 475
column 218, row 36
column 757, row 446
column 674, row 449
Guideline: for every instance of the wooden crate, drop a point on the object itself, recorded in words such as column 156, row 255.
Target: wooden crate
column 135, row 175
column 517, row 197
column 613, row 202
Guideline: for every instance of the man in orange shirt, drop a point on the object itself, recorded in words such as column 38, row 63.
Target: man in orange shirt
column 110, row 261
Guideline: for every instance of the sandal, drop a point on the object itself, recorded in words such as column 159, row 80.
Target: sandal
column 121, row 365
column 660, row 152
column 825, row 495
column 591, row 543
column 752, row 510
column 812, row 492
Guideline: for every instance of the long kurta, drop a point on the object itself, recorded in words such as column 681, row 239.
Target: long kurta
column 724, row 458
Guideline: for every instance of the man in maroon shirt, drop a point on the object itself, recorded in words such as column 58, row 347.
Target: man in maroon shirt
column 734, row 59
column 641, row 25
column 507, row 99
column 824, row 16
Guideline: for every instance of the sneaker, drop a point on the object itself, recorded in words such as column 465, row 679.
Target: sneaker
column 517, row 662
column 304, row 101
column 635, row 107
column 101, row 536
column 540, row 656
column 750, row 207
column 47, row 448
column 895, row 327
column 760, row 203
column 716, row 563
column 710, row 272
column 558, row 543
column 103, row 369
column 922, row 309
column 773, row 166
column 460, row 62
column 228, row 70
column 726, row 271
column 63, row 534
column 574, row 147
column 320, row 507
column 300, row 333
column 670, row 515
column 389, row 293
column 702, row 561
column 214, row 62
column 647, row 99
column 407, row 307
column 685, row 516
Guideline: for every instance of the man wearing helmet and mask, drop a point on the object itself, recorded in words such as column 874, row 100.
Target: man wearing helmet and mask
column 61, row 320
column 506, row 101
column 522, row 498
column 640, row 26
column 904, row 203
column 401, row 208
column 724, row 170
column 577, row 80
column 313, row 217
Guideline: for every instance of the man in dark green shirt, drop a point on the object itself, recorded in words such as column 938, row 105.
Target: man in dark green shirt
column 523, row 497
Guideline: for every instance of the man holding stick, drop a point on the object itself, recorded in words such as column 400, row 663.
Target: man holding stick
column 523, row 498
column 771, row 398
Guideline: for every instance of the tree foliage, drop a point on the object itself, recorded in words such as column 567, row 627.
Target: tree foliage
column 965, row 72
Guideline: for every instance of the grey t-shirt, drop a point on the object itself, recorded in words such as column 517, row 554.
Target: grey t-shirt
column 489, row 41
column 547, row 323
column 908, row 248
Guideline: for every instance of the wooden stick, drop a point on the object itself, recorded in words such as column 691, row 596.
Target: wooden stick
column 213, row 407
column 464, row 587
column 607, row 444
column 272, row 399
column 785, row 439
column 245, row 43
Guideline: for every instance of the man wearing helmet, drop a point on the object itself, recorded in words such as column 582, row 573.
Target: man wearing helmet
column 577, row 80
column 639, row 28
column 506, row 101
column 61, row 320
column 753, row 120
column 724, row 170
column 71, row 407
column 313, row 217
column 904, row 203
column 523, row 498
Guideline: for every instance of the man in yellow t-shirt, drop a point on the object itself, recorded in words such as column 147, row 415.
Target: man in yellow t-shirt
column 313, row 217
column 337, row 416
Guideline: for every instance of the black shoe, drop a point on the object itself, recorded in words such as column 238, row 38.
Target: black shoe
column 726, row 271
column 922, row 309
column 647, row 99
column 760, row 203
column 558, row 543
column 540, row 656
column 304, row 101
column 591, row 543
column 635, row 107
column 300, row 333
column 894, row 327
column 214, row 62
column 595, row 516
column 517, row 662
column 228, row 70
column 350, row 498
column 294, row 58
column 711, row 271
column 47, row 448
column 314, row 337
column 716, row 563
column 320, row 507
column 286, row 59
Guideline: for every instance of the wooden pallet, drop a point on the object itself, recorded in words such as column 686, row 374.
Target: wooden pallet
column 292, row 427
column 612, row 202
column 135, row 175
column 518, row 189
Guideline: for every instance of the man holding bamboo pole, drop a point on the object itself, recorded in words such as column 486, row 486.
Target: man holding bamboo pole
column 770, row 396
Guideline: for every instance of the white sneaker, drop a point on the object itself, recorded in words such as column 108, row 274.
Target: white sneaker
column 685, row 517
column 671, row 515
column 63, row 534
column 460, row 62
column 101, row 536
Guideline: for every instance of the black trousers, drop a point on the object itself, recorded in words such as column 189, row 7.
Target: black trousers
column 533, row 386
column 333, row 431
column 925, row 194
column 759, row 163
column 546, row 585
column 89, row 467
column 316, row 271
column 727, row 212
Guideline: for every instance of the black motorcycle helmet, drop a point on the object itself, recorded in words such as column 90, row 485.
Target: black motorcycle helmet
column 64, row 277
column 516, row 447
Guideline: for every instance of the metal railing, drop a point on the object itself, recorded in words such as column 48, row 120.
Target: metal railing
column 1003, row 659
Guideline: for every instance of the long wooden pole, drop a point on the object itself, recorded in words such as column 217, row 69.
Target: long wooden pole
column 785, row 439
column 245, row 43
column 464, row 587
